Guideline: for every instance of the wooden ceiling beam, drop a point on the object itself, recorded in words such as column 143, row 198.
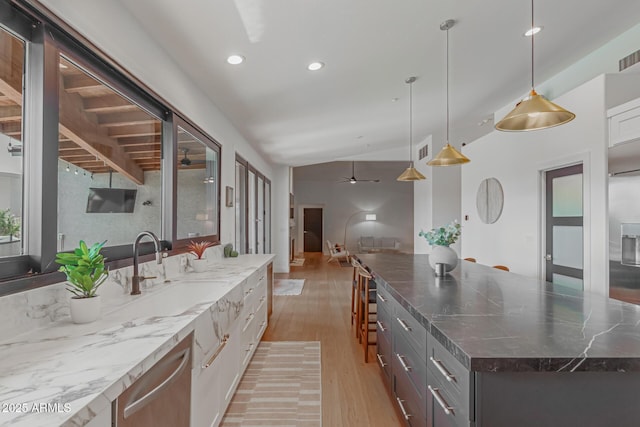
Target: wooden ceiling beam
column 108, row 103
column 135, row 130
column 126, row 119
column 84, row 131
column 75, row 123
column 12, row 113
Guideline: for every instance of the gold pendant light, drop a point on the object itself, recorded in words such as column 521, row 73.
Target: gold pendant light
column 410, row 173
column 448, row 156
column 535, row 112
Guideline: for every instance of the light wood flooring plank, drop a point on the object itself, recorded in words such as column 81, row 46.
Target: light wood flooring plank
column 353, row 392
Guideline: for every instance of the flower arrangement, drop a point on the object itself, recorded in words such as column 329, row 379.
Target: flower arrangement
column 442, row 236
column 84, row 268
column 198, row 248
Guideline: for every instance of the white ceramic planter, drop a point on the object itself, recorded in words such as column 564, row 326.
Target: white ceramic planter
column 443, row 255
column 199, row 265
column 84, row 310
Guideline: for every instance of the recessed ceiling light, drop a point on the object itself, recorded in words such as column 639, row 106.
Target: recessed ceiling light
column 532, row 31
column 395, row 99
column 315, row 66
column 235, row 59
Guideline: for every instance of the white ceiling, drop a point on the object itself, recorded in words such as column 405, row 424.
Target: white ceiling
column 296, row 117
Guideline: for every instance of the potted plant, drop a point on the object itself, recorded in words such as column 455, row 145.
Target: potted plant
column 440, row 238
column 199, row 264
column 9, row 225
column 85, row 271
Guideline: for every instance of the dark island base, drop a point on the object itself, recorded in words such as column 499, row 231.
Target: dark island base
column 566, row 399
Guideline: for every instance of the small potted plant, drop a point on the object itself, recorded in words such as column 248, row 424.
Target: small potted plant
column 9, row 225
column 440, row 238
column 199, row 264
column 85, row 271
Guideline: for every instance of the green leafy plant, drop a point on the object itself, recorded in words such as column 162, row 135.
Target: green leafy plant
column 442, row 236
column 84, row 268
column 9, row 224
column 198, row 248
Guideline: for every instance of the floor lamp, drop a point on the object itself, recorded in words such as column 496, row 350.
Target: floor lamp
column 370, row 216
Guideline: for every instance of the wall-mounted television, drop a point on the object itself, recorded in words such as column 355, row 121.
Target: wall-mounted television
column 111, row 200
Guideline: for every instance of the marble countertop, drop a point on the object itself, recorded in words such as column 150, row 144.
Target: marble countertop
column 493, row 320
column 77, row 370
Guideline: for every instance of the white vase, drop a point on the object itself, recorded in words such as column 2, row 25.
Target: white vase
column 84, row 310
column 443, row 255
column 199, row 265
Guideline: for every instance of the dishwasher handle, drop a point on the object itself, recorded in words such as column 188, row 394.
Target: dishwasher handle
column 135, row 404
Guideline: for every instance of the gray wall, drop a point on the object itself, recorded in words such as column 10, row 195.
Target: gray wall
column 117, row 228
column 390, row 200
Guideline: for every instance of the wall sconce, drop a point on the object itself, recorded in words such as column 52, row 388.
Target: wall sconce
column 370, row 217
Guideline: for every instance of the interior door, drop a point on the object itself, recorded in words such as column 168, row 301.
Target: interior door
column 564, row 227
column 312, row 229
column 252, row 219
column 260, row 217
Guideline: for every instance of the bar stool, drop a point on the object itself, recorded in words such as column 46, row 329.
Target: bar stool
column 366, row 297
column 470, row 259
column 501, row 267
column 354, row 290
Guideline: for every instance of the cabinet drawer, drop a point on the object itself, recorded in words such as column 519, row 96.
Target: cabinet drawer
column 407, row 326
column 384, row 299
column 412, row 405
column 409, row 363
column 452, row 375
column 383, row 354
column 442, row 407
column 383, row 322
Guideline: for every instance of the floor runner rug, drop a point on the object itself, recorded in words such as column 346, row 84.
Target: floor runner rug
column 288, row 286
column 281, row 387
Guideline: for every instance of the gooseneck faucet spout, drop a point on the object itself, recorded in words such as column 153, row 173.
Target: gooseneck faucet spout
column 136, row 279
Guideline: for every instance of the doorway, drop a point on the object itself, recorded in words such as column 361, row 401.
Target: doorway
column 312, row 229
column 564, row 259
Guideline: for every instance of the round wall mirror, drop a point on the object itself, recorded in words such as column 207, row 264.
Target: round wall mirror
column 489, row 200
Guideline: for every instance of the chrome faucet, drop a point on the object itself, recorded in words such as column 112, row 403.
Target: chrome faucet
column 136, row 279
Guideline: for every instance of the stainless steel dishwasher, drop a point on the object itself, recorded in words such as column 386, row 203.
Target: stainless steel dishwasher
column 161, row 397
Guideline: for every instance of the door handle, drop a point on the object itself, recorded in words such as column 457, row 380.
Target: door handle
column 548, row 257
column 305, row 232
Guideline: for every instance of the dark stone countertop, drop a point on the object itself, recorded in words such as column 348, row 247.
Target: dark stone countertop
column 493, row 320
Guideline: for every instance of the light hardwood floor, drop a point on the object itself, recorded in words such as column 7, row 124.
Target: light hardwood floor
column 353, row 393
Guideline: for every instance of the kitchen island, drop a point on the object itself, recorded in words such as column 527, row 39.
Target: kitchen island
column 486, row 347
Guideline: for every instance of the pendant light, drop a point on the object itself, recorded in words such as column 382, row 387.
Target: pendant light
column 410, row 173
column 536, row 111
column 448, row 156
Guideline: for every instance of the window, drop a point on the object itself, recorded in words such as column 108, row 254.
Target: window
column 109, row 164
column 12, row 59
column 198, row 184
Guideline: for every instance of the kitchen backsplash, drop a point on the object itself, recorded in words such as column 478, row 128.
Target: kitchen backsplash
column 25, row 311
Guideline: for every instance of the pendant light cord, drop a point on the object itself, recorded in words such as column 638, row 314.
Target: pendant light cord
column 410, row 81
column 447, row 84
column 532, row 36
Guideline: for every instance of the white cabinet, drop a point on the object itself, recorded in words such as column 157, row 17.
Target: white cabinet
column 102, row 418
column 624, row 122
column 226, row 337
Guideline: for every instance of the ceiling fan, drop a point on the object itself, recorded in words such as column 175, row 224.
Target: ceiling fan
column 186, row 161
column 353, row 179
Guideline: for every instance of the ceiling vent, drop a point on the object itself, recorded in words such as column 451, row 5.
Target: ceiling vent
column 629, row 60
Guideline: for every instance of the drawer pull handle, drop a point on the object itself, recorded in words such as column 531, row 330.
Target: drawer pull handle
column 444, row 405
column 223, row 343
column 448, row 375
column 403, row 363
column 405, row 414
column 383, row 299
column 381, row 326
column 404, row 324
column 135, row 403
column 382, row 364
